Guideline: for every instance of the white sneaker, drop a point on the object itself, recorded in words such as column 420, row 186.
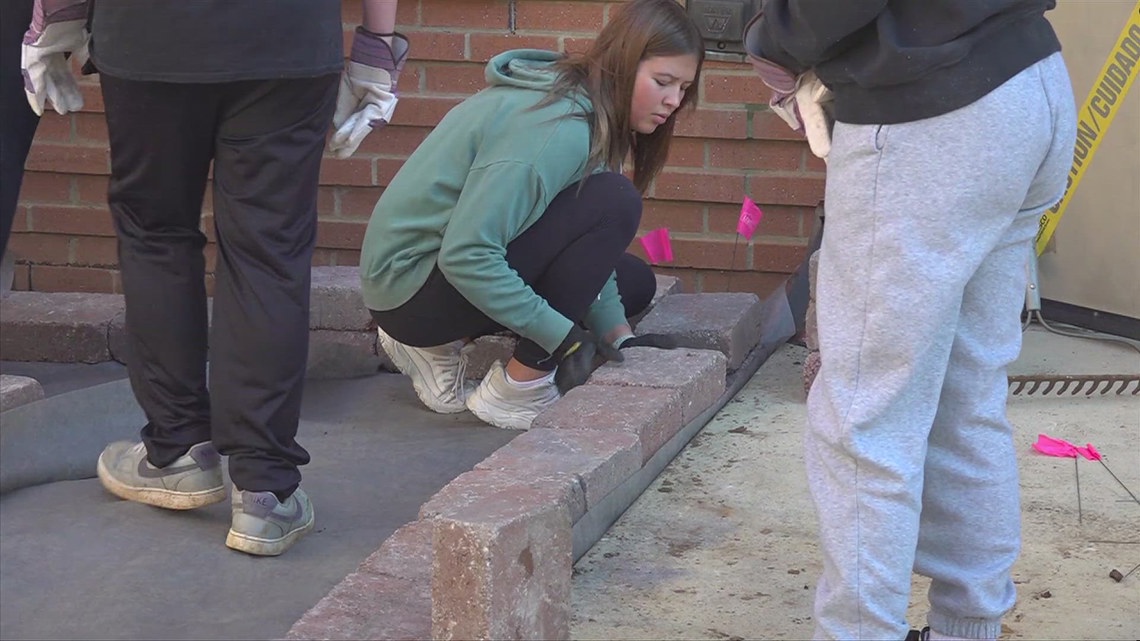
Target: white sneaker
column 504, row 404
column 437, row 373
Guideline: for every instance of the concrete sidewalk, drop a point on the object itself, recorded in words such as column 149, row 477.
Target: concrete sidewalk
column 723, row 544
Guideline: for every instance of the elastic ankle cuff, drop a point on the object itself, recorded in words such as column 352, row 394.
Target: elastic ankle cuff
column 529, row 384
column 965, row 628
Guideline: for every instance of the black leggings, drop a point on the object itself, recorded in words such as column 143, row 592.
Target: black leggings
column 566, row 257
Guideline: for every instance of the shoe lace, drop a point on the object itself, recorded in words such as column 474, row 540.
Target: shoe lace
column 461, row 371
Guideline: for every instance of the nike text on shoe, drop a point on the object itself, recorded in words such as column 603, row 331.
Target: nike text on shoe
column 437, row 373
column 499, row 402
column 192, row 480
column 263, row 526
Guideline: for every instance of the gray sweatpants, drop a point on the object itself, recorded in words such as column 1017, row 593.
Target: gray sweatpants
column 922, row 276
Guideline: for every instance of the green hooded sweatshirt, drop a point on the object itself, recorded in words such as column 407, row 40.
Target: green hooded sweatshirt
column 483, row 176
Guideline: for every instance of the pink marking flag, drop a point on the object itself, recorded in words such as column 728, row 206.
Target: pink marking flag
column 750, row 215
column 657, row 247
column 1059, row 447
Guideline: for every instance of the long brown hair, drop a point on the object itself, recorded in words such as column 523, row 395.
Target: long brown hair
column 640, row 29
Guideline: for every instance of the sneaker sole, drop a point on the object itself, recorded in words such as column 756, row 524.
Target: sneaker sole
column 159, row 497
column 258, row 546
column 403, row 362
column 486, row 412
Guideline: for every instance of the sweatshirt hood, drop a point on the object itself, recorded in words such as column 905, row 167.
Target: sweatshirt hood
column 525, row 68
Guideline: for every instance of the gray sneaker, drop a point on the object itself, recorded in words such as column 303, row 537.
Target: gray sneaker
column 192, row 480
column 264, row 526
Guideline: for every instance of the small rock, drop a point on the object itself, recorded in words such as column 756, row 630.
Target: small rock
column 1115, row 575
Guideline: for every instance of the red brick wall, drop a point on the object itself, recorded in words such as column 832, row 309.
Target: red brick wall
column 731, row 145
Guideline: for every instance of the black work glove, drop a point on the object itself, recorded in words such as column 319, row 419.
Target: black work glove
column 576, row 358
column 661, row 341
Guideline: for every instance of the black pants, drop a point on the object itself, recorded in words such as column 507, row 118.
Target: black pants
column 17, row 120
column 566, row 257
column 265, row 139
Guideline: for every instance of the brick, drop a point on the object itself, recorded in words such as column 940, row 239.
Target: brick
column 713, row 123
column 677, row 216
column 477, row 487
column 69, row 159
column 20, row 220
column 41, row 248
column 40, row 187
column 600, row 460
column 686, row 152
column 388, row 596
column 57, row 328
column 698, row 374
column 778, row 220
column 91, row 128
column 21, row 279
column 50, row 278
column 699, row 186
column 394, row 140
column 92, row 96
column 357, row 203
column 346, row 171
column 469, row 14
column 340, row 234
column 760, row 283
column 485, row 45
column 652, row 415
column 18, row 390
column 335, row 300
column 739, row 87
column 92, row 190
column 576, row 45
column 94, row 251
column 772, row 257
column 386, row 169
column 786, row 190
column 340, row 354
column 729, row 323
column 811, row 369
column 435, row 45
column 422, row 111
column 487, row 350
column 766, row 125
column 326, row 201
column 502, row 570
column 79, row 221
column 344, row 257
column 543, row 15
column 772, row 155
column 53, row 128
column 454, row 78
column 666, row 286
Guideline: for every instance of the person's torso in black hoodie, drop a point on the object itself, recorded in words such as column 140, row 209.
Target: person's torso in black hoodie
column 903, row 60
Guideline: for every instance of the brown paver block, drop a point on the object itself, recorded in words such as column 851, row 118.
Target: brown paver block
column 698, row 374
column 601, row 460
column 652, row 415
column 57, row 327
column 487, row 350
column 18, row 390
column 387, row 597
column 341, row 354
column 811, row 369
column 502, row 569
column 811, row 328
column 335, row 300
column 729, row 323
column 554, row 487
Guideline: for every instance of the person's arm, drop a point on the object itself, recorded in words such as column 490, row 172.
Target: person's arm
column 799, row 34
column 380, row 17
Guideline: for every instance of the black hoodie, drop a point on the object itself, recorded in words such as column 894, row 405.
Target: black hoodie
column 890, row 61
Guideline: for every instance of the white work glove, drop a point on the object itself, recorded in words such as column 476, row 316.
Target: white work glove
column 801, row 100
column 58, row 30
column 367, row 94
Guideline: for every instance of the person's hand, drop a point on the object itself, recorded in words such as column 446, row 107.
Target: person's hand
column 367, row 96
column 799, row 100
column 660, row 341
column 58, row 30
column 576, row 356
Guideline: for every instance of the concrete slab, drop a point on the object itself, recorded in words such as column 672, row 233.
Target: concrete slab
column 126, row 570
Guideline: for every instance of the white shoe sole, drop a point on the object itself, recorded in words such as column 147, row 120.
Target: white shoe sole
column 158, row 497
column 258, row 546
column 405, row 361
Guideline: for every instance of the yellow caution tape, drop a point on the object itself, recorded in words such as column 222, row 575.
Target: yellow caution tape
column 1096, row 115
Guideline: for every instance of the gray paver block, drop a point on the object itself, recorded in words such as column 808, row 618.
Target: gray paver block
column 811, row 369
column 698, row 374
column 652, row 415
column 387, row 597
column 342, row 354
column 666, row 286
column 470, row 488
column 487, row 350
column 57, row 327
column 811, row 328
column 502, row 569
column 601, row 460
column 335, row 300
column 729, row 323
column 18, row 390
